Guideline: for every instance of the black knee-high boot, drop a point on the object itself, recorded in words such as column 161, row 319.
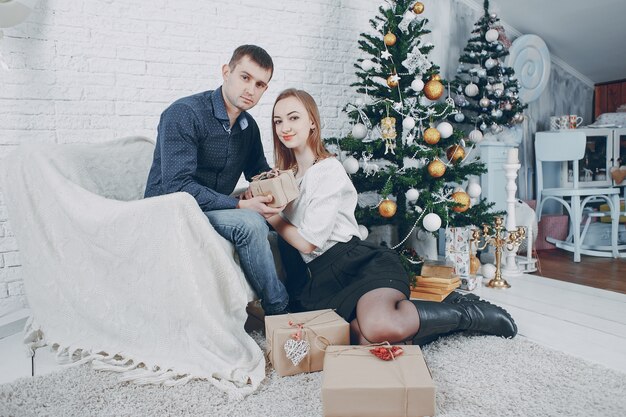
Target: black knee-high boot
column 439, row 319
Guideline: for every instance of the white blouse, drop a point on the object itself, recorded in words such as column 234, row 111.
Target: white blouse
column 324, row 211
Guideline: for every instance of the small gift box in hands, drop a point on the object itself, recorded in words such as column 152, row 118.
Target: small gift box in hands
column 280, row 184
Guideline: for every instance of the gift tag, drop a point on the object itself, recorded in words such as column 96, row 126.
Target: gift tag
column 296, row 350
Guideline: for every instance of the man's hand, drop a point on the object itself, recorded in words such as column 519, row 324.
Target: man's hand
column 259, row 204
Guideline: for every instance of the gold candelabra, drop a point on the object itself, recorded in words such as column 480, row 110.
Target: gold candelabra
column 499, row 239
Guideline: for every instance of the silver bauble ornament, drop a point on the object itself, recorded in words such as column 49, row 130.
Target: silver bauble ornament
column 408, row 123
column 482, row 73
column 445, row 129
column 471, row 90
column 412, row 195
column 475, row 136
column 367, row 65
column 359, row 131
column 491, row 35
column 432, row 222
column 459, row 117
column 351, row 165
column 417, row 85
column 483, row 126
column 484, row 102
column 490, row 63
column 363, row 232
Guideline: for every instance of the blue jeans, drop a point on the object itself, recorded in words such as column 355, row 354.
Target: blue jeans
column 248, row 231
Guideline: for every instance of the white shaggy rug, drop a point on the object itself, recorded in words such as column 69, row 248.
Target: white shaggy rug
column 475, row 376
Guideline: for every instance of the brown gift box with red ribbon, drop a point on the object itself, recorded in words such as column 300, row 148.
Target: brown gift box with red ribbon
column 280, row 184
column 296, row 342
column 358, row 383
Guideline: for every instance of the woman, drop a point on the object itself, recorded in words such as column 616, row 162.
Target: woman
column 365, row 283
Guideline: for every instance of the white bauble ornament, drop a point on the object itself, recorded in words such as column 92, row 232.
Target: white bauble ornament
column 491, row 35
column 490, row 63
column 364, row 232
column 412, row 195
column 483, row 126
column 432, row 222
column 489, row 271
column 367, row 65
column 471, row 90
column 476, row 136
column 474, row 189
column 445, row 129
column 498, row 113
column 408, row 123
column 359, row 131
column 351, row 165
column 417, row 85
column 482, row 73
column 459, row 117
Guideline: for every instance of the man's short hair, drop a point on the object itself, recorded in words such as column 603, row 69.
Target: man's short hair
column 256, row 54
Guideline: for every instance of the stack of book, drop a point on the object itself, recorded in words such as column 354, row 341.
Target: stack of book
column 436, row 281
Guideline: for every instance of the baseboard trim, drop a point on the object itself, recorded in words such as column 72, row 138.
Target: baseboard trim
column 13, row 323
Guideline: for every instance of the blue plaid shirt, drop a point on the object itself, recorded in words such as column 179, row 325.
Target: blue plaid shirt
column 198, row 153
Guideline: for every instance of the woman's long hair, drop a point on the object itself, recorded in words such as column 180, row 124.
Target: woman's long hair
column 284, row 157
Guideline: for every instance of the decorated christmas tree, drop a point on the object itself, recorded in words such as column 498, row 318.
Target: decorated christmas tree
column 403, row 152
column 487, row 90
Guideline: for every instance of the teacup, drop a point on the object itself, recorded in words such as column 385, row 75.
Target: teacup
column 574, row 121
column 554, row 123
column 563, row 122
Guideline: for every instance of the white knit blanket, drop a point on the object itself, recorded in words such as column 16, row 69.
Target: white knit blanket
column 145, row 287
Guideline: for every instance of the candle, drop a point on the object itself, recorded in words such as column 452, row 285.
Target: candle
column 512, row 156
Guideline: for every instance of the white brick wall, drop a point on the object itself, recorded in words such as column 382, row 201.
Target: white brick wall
column 99, row 69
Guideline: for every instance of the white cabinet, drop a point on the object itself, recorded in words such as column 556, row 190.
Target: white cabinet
column 493, row 182
column 604, row 148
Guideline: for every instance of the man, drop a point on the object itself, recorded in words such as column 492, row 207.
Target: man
column 204, row 143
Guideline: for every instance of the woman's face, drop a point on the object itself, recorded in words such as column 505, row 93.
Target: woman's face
column 292, row 123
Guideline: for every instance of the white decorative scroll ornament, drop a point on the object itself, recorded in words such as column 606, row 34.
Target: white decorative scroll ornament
column 530, row 58
column 416, row 62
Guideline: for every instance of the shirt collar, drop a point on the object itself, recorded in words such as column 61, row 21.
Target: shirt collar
column 219, row 111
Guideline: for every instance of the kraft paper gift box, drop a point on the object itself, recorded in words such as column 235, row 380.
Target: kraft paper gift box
column 318, row 328
column 357, row 383
column 280, row 184
column 458, row 249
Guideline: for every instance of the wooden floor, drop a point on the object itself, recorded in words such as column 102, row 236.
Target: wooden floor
column 603, row 273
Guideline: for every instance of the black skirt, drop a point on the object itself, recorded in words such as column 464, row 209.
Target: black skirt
column 343, row 274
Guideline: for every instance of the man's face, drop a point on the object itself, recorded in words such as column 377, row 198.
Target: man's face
column 245, row 84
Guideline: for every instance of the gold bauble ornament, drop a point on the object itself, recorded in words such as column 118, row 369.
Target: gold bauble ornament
column 433, row 89
column 431, row 136
column 390, row 39
column 474, row 264
column 392, row 81
column 455, row 152
column 418, row 8
column 436, row 168
column 461, row 197
column 436, row 77
column 387, row 208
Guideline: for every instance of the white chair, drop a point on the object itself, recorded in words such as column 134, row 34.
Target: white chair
column 570, row 146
